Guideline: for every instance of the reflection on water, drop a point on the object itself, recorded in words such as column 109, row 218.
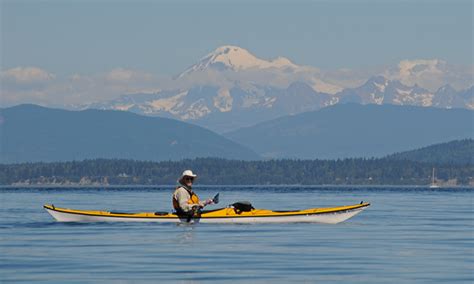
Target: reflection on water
column 187, row 233
column 407, row 235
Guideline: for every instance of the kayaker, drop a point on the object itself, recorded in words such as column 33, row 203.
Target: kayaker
column 185, row 200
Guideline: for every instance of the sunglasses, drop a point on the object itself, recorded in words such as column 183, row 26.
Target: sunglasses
column 189, row 179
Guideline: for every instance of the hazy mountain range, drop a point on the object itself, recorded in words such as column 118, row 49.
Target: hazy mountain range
column 230, row 88
column 32, row 133
column 354, row 130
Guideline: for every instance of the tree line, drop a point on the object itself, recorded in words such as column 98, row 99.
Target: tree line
column 216, row 171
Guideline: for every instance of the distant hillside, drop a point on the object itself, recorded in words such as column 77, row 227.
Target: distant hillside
column 353, row 130
column 33, row 133
column 455, row 152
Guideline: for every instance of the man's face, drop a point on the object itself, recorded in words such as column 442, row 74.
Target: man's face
column 188, row 181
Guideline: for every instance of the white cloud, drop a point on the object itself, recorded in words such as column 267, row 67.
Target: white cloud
column 36, row 85
column 127, row 75
column 431, row 74
column 350, row 78
column 27, row 75
column 25, row 85
column 75, row 77
column 408, row 68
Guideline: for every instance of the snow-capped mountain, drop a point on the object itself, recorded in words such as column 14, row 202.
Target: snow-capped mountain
column 235, row 58
column 231, row 88
column 228, row 65
column 468, row 97
column 379, row 90
column 223, row 109
column 448, row 97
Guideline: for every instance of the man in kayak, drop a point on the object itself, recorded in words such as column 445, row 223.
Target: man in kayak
column 185, row 201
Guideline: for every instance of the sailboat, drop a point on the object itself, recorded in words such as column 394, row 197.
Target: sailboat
column 433, row 180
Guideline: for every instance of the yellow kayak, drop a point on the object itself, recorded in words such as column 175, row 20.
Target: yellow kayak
column 231, row 214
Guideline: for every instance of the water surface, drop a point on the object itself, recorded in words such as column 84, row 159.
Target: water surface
column 408, row 235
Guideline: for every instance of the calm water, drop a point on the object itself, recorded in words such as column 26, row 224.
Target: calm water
column 406, row 236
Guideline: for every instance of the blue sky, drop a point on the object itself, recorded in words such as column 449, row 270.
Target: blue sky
column 165, row 37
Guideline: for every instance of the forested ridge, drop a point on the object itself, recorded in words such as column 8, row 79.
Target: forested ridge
column 221, row 171
column 453, row 152
column 453, row 162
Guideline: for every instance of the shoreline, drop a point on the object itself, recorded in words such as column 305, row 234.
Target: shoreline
column 159, row 186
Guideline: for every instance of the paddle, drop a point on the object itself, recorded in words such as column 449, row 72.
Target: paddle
column 196, row 211
column 215, row 199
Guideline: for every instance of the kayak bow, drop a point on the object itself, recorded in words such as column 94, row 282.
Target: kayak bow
column 330, row 215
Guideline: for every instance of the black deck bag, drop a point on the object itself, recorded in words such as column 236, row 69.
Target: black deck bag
column 242, row 206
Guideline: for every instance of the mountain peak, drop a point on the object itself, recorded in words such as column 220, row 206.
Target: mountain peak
column 227, row 48
column 235, row 58
column 378, row 82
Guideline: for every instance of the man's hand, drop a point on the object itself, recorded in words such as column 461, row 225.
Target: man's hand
column 196, row 211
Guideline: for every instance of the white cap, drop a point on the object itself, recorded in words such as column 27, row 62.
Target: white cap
column 188, row 173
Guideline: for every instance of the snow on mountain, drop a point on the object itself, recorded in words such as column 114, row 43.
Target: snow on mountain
column 223, row 101
column 244, row 104
column 468, row 97
column 231, row 88
column 448, row 97
column 372, row 92
column 380, row 90
column 244, row 99
column 325, row 87
column 235, row 58
column 229, row 65
column 168, row 104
